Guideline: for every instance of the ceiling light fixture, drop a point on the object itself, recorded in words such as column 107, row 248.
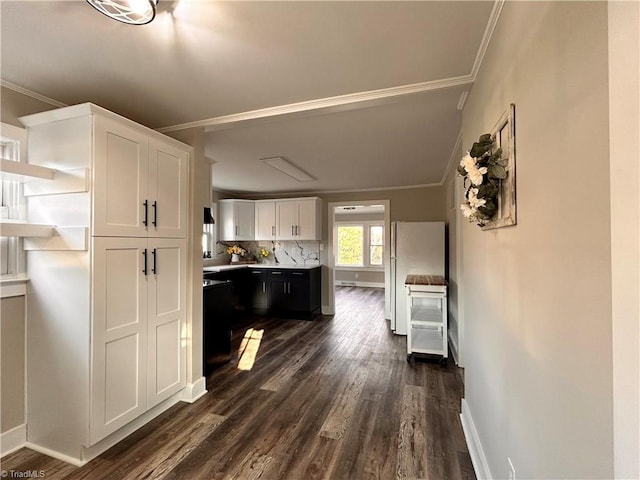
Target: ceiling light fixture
column 288, row 168
column 133, row 12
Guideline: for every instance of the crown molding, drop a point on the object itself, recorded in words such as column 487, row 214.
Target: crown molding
column 486, row 38
column 32, row 94
column 452, row 158
column 322, row 105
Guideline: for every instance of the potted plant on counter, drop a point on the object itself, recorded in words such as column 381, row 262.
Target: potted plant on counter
column 236, row 252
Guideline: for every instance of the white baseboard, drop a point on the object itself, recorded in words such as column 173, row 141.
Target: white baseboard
column 13, row 439
column 193, row 391
column 478, row 458
column 54, row 454
column 89, row 453
column 349, row 283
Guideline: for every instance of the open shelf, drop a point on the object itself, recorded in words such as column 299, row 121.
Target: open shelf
column 24, row 172
column 20, row 229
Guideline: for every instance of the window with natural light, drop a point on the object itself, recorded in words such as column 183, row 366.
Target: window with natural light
column 359, row 245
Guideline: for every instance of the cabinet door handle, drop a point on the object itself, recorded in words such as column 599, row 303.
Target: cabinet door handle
column 276, row 273
column 273, row 230
column 144, row 254
column 236, row 230
column 146, row 212
column 264, row 287
column 285, row 287
column 154, row 269
column 297, row 231
column 292, row 229
column 155, row 214
column 297, row 273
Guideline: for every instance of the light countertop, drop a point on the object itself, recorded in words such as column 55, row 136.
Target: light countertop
column 222, row 268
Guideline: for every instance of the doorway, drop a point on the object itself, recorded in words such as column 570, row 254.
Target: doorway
column 363, row 219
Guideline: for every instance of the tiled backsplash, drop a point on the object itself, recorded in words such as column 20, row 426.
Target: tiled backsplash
column 283, row 252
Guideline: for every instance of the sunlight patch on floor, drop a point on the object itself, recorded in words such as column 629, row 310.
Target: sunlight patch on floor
column 249, row 349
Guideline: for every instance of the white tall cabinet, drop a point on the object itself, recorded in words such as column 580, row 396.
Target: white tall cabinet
column 106, row 323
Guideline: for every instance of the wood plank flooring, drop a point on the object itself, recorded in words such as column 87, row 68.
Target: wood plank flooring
column 332, row 398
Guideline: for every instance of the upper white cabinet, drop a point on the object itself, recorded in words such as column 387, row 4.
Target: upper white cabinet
column 237, row 220
column 299, row 219
column 140, row 183
column 278, row 219
column 265, row 220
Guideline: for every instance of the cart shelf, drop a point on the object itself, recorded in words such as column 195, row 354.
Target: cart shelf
column 427, row 316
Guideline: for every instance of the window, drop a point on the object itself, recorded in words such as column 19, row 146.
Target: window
column 12, row 203
column 376, row 244
column 350, row 245
column 360, row 245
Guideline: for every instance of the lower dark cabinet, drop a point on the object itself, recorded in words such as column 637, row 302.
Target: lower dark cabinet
column 257, row 293
column 294, row 291
column 280, row 291
column 217, row 313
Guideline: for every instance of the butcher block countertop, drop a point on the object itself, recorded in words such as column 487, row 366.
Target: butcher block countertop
column 413, row 279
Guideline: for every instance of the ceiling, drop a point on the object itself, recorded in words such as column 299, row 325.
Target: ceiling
column 360, row 95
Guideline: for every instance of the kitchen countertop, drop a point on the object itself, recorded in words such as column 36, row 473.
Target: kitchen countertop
column 222, row 268
column 413, row 279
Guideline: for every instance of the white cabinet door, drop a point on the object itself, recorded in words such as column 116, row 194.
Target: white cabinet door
column 166, row 358
column 287, row 213
column 307, row 225
column 245, row 212
column 121, row 167
column 265, row 220
column 119, row 335
column 237, row 219
column 167, row 190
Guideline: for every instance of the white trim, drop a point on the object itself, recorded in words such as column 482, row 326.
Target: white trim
column 486, row 38
column 453, row 346
column 350, row 283
column 330, row 308
column 452, row 159
column 321, row 192
column 478, row 457
column 322, row 105
column 462, row 100
column 357, row 268
column 57, row 455
column 31, row 93
column 13, row 439
column 14, row 289
column 194, row 391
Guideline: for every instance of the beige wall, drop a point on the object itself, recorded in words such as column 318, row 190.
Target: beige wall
column 537, row 296
column 624, row 128
column 12, row 366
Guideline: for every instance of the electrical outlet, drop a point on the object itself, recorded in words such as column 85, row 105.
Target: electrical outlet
column 321, row 246
column 512, row 470
column 356, row 275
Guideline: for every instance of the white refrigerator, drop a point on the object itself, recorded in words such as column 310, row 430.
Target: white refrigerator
column 416, row 248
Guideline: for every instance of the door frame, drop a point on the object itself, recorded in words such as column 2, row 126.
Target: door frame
column 330, row 309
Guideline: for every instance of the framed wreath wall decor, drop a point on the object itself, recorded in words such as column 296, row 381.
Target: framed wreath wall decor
column 488, row 170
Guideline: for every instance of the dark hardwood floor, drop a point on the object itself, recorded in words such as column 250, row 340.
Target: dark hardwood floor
column 332, row 398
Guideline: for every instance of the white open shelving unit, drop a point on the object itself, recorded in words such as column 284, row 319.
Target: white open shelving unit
column 39, row 180
column 427, row 321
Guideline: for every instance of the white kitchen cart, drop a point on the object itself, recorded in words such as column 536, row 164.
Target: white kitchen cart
column 427, row 316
